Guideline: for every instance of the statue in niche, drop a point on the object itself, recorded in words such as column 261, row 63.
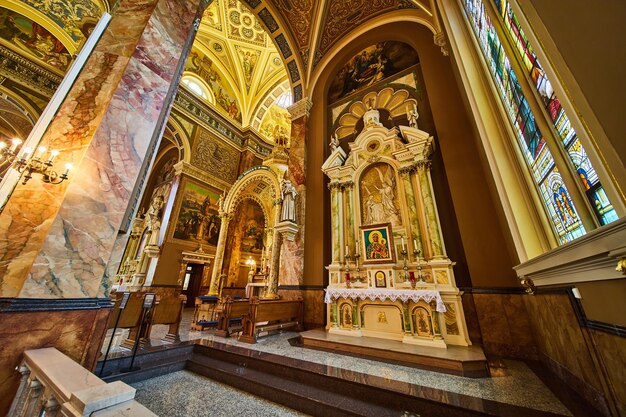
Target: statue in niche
column 383, row 208
column 334, row 143
column 153, row 220
column 412, row 115
column 374, row 211
column 289, row 193
column 220, row 202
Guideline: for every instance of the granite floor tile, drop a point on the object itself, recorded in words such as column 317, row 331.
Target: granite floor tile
column 183, row 393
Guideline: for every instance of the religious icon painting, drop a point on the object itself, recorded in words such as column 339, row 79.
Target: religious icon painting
column 377, row 244
column 380, row 279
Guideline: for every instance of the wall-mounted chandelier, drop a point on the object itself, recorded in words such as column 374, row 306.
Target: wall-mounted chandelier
column 28, row 162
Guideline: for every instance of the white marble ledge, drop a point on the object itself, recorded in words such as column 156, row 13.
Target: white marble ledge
column 592, row 257
column 385, row 294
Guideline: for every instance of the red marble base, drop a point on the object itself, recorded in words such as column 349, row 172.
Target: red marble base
column 77, row 333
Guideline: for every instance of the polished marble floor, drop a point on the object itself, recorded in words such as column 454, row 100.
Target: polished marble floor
column 513, row 381
column 185, row 394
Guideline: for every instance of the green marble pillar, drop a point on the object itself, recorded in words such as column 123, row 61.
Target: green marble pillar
column 335, row 218
column 407, row 318
column 412, row 206
column 349, row 216
column 333, row 314
column 430, row 208
column 355, row 316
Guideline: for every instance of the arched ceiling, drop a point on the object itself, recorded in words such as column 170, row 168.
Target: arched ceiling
column 237, row 59
column 318, row 25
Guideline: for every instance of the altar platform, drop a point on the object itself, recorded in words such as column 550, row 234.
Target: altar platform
column 467, row 361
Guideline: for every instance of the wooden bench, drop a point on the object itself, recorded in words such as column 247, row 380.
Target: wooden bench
column 232, row 313
column 169, row 311
column 204, row 313
column 278, row 314
column 129, row 319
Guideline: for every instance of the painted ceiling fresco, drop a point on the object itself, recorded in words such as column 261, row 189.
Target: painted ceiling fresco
column 32, row 41
column 371, row 66
column 234, row 55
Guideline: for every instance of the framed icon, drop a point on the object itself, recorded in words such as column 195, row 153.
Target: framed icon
column 377, row 244
column 380, row 279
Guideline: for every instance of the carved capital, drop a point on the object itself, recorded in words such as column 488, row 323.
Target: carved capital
column 423, row 164
column 346, row 185
column 441, row 41
column 407, row 170
column 301, row 108
column 334, row 185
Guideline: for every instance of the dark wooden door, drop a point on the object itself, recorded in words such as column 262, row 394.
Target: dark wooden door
column 192, row 283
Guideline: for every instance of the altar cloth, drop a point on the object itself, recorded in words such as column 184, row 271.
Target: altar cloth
column 385, row 294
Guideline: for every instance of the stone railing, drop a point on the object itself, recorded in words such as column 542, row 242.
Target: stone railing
column 52, row 385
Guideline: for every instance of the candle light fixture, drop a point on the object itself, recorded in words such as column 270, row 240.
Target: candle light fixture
column 31, row 162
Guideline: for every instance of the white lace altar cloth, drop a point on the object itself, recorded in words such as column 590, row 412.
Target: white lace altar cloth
column 385, row 294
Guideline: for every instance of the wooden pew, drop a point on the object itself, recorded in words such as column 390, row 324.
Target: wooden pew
column 129, row 318
column 204, row 313
column 278, row 314
column 169, row 311
column 232, row 312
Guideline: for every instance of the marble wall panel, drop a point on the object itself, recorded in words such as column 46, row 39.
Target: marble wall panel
column 504, row 325
column 78, row 241
column 564, row 346
column 612, row 353
column 126, row 27
column 292, row 252
column 314, row 306
column 78, row 334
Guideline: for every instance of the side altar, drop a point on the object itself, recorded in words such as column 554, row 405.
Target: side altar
column 390, row 276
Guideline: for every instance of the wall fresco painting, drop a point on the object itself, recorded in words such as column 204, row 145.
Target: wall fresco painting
column 225, row 97
column 253, row 227
column 32, row 40
column 370, row 66
column 198, row 219
column 276, row 124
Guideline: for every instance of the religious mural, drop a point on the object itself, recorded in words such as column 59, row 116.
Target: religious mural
column 214, row 156
column 371, row 65
column 248, row 59
column 32, row 40
column 198, row 218
column 379, row 195
column 276, row 124
column 253, row 227
column 224, row 94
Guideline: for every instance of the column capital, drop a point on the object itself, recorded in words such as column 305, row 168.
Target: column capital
column 300, row 108
column 335, row 185
column 347, row 185
column 407, row 170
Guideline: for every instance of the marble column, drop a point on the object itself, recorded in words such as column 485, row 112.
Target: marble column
column 292, row 260
column 55, row 241
column 336, row 221
column 349, row 213
column 437, row 249
column 272, row 284
column 406, row 174
column 214, row 287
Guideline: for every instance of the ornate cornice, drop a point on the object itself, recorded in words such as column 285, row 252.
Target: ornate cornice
column 300, row 108
column 19, row 69
column 189, row 170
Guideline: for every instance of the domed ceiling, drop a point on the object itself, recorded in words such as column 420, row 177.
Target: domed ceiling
column 235, row 58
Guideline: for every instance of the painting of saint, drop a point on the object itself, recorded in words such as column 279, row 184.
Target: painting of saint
column 370, row 66
column 376, row 244
column 198, row 218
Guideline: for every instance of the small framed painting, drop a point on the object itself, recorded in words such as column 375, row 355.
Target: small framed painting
column 377, row 244
column 380, row 279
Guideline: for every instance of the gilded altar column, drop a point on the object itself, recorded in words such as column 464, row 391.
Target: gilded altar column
column 437, row 250
column 336, row 218
column 214, row 287
column 348, row 213
column 406, row 173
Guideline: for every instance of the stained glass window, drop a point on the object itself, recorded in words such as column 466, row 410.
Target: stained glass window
column 554, row 193
column 575, row 150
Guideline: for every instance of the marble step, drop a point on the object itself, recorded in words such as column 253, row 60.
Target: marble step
column 293, row 394
column 306, row 389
